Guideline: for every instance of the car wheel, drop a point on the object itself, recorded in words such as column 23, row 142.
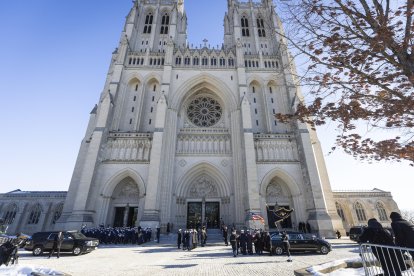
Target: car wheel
column 76, row 251
column 278, row 250
column 37, row 251
column 324, row 249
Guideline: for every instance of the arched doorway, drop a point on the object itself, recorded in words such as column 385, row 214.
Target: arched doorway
column 203, row 198
column 278, row 195
column 124, row 204
column 203, row 203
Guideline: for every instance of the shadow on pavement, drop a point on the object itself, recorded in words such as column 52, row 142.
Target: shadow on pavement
column 179, row 266
column 157, row 250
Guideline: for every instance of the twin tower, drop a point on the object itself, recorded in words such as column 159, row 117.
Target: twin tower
column 187, row 135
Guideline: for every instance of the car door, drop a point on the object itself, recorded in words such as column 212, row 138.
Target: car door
column 68, row 241
column 309, row 242
column 48, row 245
column 295, row 241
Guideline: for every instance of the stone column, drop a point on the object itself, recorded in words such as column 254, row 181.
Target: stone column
column 126, row 214
column 318, row 216
column 151, row 216
column 252, row 192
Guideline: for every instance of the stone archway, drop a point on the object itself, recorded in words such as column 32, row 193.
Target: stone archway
column 202, row 197
column 278, row 186
column 278, row 195
column 124, row 203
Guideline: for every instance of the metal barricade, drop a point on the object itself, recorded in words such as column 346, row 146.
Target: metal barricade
column 387, row 260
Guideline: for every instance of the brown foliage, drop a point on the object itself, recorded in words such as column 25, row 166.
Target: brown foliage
column 361, row 69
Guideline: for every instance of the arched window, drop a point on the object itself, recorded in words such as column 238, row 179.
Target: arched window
column 222, row 61
column 165, row 22
column 10, row 214
column 245, row 26
column 57, row 213
column 360, row 212
column 340, row 211
column 35, row 214
column 213, row 61
column 148, row 23
column 382, row 214
column 196, row 61
column 187, row 60
column 260, row 27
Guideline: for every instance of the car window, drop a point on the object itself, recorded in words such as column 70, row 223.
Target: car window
column 67, row 236
column 51, row 236
column 294, row 237
column 276, row 237
column 77, row 235
column 308, row 236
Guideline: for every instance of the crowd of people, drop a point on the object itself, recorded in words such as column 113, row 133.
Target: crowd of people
column 119, row 235
column 391, row 260
column 190, row 238
column 255, row 241
column 247, row 242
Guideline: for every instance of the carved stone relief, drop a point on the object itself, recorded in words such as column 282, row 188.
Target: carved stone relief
column 204, row 186
column 129, row 190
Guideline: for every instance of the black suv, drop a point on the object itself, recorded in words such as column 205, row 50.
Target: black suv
column 300, row 242
column 73, row 241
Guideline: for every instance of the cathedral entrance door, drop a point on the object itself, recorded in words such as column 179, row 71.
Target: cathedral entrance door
column 212, row 214
column 125, row 216
column 194, row 215
column 119, row 216
column 203, row 213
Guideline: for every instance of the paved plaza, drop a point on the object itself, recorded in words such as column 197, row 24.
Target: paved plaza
column 165, row 259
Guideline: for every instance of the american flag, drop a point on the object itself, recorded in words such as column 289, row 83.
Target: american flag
column 254, row 216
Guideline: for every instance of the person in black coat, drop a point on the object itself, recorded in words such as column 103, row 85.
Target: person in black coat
column 233, row 242
column 403, row 231
column 225, row 234
column 286, row 245
column 392, row 261
column 158, row 234
column 249, row 243
column 179, row 238
column 243, row 242
column 57, row 244
column 268, row 243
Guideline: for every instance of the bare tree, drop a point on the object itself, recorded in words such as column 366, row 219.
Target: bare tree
column 359, row 72
column 408, row 215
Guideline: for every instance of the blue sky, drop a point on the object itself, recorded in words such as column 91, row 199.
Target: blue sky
column 54, row 58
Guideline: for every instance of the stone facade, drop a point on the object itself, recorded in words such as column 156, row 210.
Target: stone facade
column 30, row 212
column 16, row 207
column 186, row 135
column 356, row 207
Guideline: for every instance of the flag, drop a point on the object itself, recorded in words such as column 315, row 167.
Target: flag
column 254, row 216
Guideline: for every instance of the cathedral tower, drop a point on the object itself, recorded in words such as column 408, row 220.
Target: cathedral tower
column 187, row 135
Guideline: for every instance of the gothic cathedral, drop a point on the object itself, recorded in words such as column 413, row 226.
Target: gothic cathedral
column 187, row 135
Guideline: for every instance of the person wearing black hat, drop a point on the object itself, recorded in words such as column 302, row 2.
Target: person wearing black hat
column 403, row 231
column 392, row 261
column 233, row 242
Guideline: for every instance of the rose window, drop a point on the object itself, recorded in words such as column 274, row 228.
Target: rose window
column 204, row 111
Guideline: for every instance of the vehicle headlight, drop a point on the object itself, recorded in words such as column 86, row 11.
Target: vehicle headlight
column 89, row 243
